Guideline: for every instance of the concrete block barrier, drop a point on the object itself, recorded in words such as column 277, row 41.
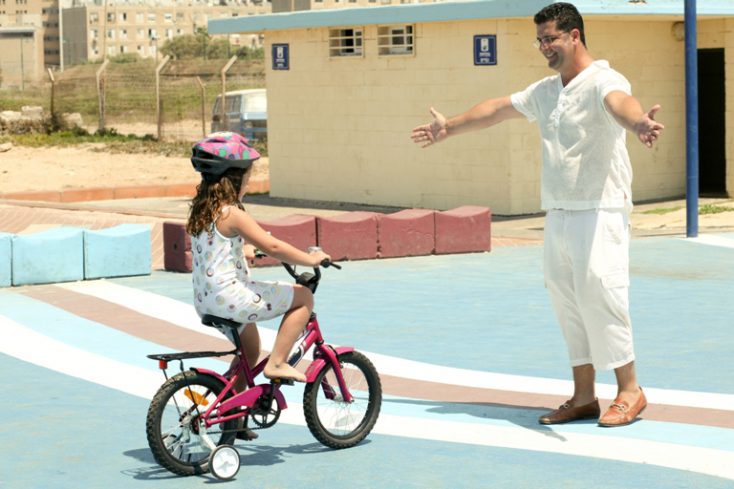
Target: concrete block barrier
column 117, row 251
column 176, row 247
column 55, row 255
column 410, row 232
column 6, row 247
column 465, row 229
column 349, row 236
column 297, row 229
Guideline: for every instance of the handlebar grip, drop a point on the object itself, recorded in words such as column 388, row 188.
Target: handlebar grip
column 329, row 263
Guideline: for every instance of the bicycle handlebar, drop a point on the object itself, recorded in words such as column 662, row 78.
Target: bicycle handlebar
column 305, row 279
column 316, row 270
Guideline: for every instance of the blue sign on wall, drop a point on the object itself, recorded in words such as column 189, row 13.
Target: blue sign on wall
column 485, row 50
column 281, row 58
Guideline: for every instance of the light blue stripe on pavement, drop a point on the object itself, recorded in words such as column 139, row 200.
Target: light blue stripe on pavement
column 491, row 312
column 84, row 334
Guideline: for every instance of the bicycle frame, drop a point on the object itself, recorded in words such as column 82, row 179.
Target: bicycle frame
column 324, row 355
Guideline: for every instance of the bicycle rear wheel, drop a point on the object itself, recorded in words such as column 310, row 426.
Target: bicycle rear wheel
column 174, row 422
column 331, row 420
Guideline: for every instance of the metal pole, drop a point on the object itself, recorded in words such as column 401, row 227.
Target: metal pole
column 202, row 90
column 158, row 111
column 222, row 107
column 53, row 97
column 691, row 120
column 100, row 94
column 22, row 65
column 61, row 38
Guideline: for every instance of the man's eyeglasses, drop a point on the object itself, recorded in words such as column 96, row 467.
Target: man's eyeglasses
column 545, row 41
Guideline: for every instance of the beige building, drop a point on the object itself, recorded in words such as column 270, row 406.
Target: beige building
column 345, row 89
column 21, row 42
column 74, row 31
column 42, row 14
column 93, row 31
column 21, row 62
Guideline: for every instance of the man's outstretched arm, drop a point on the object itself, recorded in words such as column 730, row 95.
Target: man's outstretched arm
column 628, row 111
column 484, row 114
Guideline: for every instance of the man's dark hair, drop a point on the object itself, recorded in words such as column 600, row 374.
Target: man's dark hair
column 566, row 16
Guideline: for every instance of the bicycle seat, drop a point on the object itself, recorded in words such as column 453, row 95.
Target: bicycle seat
column 210, row 320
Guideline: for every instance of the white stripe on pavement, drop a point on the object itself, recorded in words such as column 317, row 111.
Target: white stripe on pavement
column 46, row 352
column 184, row 315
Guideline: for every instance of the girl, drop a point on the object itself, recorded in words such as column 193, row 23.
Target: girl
column 220, row 227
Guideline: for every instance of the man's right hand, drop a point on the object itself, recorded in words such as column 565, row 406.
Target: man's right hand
column 432, row 133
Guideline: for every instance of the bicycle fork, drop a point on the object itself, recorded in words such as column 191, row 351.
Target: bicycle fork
column 324, row 356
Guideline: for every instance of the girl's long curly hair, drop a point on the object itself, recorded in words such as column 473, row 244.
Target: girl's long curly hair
column 211, row 197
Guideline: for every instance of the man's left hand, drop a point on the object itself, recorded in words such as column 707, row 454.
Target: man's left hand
column 647, row 128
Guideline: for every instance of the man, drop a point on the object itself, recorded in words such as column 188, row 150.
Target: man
column 582, row 113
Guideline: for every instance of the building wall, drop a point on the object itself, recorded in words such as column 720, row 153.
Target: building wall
column 339, row 128
column 76, row 45
column 21, row 63
column 52, row 33
column 717, row 34
column 127, row 27
column 143, row 29
column 16, row 12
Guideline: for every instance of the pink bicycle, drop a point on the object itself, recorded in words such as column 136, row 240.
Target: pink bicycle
column 196, row 415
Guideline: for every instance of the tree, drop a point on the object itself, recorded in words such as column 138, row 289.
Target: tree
column 202, row 45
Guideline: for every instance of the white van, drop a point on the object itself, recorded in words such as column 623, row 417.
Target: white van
column 246, row 113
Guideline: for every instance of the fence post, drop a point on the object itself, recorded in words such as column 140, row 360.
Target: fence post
column 222, row 107
column 52, row 109
column 202, row 89
column 100, row 93
column 158, row 111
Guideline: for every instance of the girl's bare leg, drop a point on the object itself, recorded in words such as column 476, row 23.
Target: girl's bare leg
column 290, row 329
column 250, row 339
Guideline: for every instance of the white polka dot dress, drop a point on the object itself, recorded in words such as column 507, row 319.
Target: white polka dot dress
column 222, row 283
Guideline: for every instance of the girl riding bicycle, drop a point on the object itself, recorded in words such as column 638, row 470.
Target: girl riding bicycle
column 224, row 237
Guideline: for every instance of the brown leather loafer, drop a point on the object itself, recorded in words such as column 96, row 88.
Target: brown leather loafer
column 566, row 413
column 620, row 413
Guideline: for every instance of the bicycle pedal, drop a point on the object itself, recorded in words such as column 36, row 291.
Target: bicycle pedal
column 283, row 381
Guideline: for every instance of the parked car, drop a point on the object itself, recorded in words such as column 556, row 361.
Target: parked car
column 246, row 113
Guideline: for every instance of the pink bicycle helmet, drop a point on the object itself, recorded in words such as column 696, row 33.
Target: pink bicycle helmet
column 219, row 152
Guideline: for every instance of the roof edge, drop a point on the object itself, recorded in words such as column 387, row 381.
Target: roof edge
column 451, row 11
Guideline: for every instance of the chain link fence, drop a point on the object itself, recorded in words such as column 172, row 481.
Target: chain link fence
column 170, row 100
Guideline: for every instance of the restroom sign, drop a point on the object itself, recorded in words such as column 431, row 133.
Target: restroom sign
column 280, row 57
column 485, row 50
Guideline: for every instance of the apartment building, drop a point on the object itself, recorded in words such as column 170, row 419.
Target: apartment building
column 39, row 34
column 93, row 31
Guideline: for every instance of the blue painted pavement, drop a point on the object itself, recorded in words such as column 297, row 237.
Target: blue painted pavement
column 483, row 313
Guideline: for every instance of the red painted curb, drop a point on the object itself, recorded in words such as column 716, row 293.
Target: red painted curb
column 127, row 192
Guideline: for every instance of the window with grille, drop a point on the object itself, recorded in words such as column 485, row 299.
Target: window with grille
column 345, row 42
column 394, row 39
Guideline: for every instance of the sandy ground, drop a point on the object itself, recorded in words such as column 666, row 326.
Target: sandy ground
column 34, row 169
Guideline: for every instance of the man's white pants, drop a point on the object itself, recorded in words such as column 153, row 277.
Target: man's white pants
column 587, row 276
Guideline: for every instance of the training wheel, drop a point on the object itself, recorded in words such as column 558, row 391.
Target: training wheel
column 224, row 462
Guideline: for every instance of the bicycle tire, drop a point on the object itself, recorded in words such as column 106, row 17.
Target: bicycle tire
column 172, row 427
column 327, row 418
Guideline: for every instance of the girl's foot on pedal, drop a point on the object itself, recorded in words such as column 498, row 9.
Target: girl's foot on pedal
column 283, row 371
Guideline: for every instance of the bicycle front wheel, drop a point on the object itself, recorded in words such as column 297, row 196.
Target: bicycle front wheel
column 331, row 420
column 174, row 423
